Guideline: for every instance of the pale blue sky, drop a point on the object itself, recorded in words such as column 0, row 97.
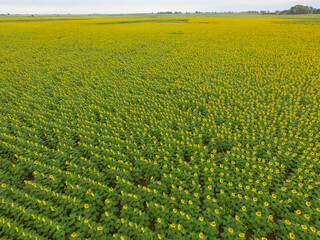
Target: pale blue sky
column 141, row 6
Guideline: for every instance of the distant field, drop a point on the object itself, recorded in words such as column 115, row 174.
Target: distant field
column 182, row 15
column 175, row 127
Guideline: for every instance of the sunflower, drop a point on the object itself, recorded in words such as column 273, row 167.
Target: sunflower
column 179, row 227
column 288, row 222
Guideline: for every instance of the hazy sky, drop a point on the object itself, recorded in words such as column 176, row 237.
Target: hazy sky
column 141, row 6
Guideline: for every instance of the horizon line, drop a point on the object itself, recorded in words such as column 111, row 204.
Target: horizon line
column 161, row 12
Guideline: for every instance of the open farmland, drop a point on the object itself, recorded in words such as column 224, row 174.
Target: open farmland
column 187, row 128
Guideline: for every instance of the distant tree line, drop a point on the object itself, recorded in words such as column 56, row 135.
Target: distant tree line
column 300, row 9
column 297, row 9
column 169, row 12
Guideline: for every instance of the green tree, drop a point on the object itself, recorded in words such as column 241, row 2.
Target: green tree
column 300, row 9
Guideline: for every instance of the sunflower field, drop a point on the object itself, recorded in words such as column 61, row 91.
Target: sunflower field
column 160, row 128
